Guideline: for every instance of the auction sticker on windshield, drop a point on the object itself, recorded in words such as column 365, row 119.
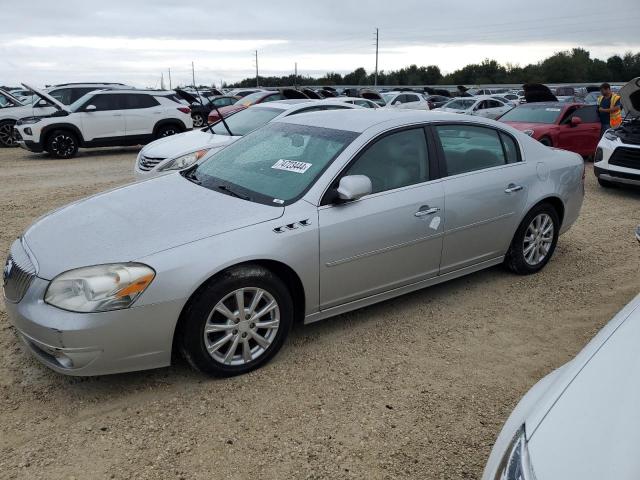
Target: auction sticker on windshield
column 292, row 166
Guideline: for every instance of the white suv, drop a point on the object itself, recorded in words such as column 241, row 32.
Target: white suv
column 617, row 158
column 104, row 118
column 66, row 93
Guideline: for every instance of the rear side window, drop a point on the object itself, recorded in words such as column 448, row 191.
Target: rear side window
column 511, row 150
column 139, row 100
column 469, row 148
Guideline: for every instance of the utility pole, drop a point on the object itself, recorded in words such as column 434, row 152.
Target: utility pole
column 295, row 75
column 170, row 86
column 193, row 74
column 375, row 81
column 257, row 76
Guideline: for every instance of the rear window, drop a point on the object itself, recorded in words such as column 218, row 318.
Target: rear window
column 533, row 114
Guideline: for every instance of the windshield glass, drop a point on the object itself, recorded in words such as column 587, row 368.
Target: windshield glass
column 460, row 104
column 275, row 164
column 387, row 97
column 245, row 121
column 80, row 102
column 532, row 114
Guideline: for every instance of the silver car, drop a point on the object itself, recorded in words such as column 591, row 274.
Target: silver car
column 305, row 218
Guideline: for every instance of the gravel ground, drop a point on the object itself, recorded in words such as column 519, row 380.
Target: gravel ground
column 416, row 387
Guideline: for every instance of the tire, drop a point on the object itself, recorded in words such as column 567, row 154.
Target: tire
column 198, row 120
column 606, row 183
column 546, row 141
column 520, row 258
column 167, row 130
column 62, row 144
column 7, row 138
column 237, row 345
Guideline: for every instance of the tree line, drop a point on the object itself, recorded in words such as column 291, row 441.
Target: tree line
column 571, row 66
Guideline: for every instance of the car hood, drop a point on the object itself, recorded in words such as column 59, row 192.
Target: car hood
column 591, row 429
column 46, row 97
column 187, row 142
column 137, row 220
column 630, row 97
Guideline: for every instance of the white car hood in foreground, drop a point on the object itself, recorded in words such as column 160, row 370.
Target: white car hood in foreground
column 137, row 220
column 187, row 142
column 587, row 426
column 630, row 97
column 451, row 110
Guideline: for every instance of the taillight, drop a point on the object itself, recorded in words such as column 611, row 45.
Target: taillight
column 186, row 110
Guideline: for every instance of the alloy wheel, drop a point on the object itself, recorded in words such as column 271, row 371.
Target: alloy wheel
column 7, row 138
column 63, row 145
column 538, row 239
column 198, row 121
column 242, row 326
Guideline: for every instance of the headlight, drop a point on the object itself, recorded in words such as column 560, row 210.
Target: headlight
column 99, row 288
column 183, row 161
column 29, row 120
column 610, row 135
column 516, row 464
column 528, row 132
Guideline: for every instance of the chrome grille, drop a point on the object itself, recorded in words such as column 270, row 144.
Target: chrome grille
column 148, row 163
column 18, row 273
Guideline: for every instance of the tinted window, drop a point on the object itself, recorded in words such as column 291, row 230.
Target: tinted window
column 76, row 93
column 468, row 148
column 139, row 100
column 105, row 102
column 411, row 98
column 394, row 161
column 587, row 114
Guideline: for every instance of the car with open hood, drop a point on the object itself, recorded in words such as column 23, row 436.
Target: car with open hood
column 255, row 99
column 308, row 217
column 617, row 158
column 201, row 105
column 481, row 106
column 581, row 421
column 570, row 126
column 183, row 150
column 103, row 118
column 65, row 93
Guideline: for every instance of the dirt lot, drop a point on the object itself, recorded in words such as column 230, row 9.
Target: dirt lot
column 417, row 387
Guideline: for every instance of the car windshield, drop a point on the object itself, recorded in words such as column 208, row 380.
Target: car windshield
column 79, row 102
column 461, row 104
column 387, row 97
column 250, row 99
column 245, row 121
column 273, row 165
column 532, row 114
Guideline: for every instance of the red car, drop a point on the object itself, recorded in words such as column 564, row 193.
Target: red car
column 253, row 99
column 570, row 126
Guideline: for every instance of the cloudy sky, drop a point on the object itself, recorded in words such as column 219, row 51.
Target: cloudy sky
column 45, row 42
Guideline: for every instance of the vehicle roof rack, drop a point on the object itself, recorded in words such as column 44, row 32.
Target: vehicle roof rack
column 87, row 83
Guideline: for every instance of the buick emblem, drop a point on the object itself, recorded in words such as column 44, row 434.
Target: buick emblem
column 7, row 271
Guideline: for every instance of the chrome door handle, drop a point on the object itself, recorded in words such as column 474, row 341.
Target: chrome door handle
column 513, row 188
column 424, row 211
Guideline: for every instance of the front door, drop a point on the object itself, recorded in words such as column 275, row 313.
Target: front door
column 485, row 190
column 106, row 121
column 390, row 238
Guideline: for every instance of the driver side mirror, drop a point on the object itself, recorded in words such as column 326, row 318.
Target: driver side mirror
column 575, row 121
column 354, row 187
column 90, row 108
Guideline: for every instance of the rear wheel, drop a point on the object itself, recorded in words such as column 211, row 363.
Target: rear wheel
column 546, row 141
column 198, row 120
column 62, row 144
column 237, row 322
column 535, row 241
column 7, row 138
column 167, row 130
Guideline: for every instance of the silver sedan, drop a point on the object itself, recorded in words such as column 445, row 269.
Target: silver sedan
column 306, row 218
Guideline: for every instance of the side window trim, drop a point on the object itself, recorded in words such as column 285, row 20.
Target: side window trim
column 326, row 197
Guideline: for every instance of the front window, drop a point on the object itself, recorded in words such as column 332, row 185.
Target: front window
column 245, row 121
column 273, row 165
column 532, row 114
column 460, row 104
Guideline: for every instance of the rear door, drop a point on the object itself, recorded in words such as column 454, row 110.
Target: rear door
column 141, row 112
column 390, row 238
column 485, row 188
column 106, row 120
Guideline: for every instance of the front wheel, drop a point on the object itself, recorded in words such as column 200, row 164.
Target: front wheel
column 535, row 241
column 167, row 131
column 62, row 144
column 237, row 322
column 7, row 138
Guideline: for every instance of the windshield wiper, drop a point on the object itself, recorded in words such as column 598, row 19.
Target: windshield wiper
column 224, row 122
column 232, row 191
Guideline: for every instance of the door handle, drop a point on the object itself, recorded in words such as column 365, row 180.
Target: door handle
column 425, row 210
column 513, row 188
column 117, row 114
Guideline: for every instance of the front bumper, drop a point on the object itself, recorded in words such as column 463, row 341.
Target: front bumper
column 617, row 176
column 85, row 344
column 31, row 146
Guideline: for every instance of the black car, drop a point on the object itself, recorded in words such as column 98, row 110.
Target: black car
column 200, row 109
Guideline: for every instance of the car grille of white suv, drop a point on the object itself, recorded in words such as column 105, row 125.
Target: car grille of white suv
column 18, row 273
column 148, row 163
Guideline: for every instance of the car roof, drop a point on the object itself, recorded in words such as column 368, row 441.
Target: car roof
column 284, row 104
column 361, row 119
